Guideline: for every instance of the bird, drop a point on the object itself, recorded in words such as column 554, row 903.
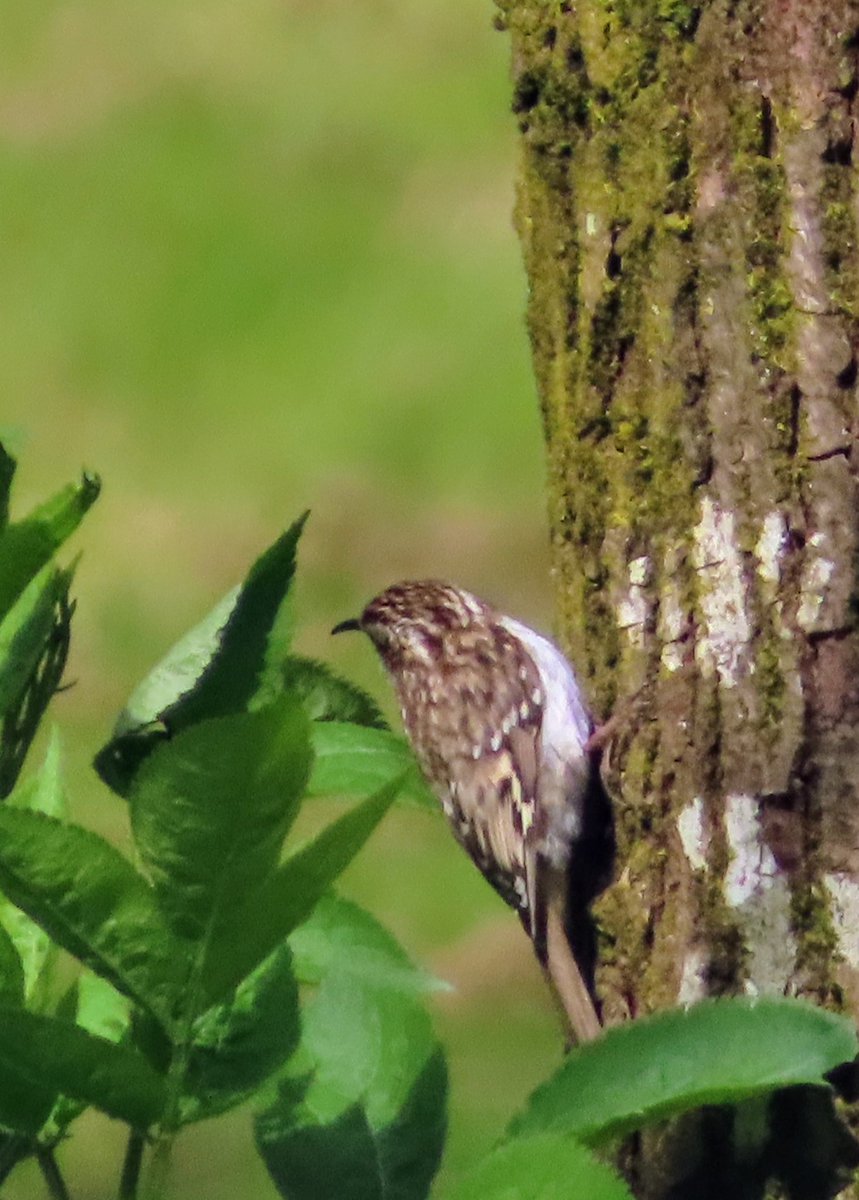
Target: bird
column 498, row 722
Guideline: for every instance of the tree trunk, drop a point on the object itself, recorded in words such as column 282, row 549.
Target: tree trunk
column 687, row 209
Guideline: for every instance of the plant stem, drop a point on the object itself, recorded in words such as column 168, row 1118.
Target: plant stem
column 51, row 1173
column 158, row 1167
column 131, row 1166
column 158, row 1170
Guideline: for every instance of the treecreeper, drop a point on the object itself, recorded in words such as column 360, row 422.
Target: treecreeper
column 498, row 723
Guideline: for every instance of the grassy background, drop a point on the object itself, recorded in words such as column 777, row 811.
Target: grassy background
column 257, row 257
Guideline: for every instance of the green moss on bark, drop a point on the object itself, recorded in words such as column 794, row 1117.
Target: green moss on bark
column 839, row 233
column 763, row 189
column 818, row 955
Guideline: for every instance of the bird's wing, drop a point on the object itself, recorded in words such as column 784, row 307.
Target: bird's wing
column 494, row 778
column 566, row 765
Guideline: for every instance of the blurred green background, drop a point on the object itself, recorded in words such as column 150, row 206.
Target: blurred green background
column 254, row 258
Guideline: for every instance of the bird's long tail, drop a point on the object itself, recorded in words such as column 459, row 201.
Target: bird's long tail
column 564, row 973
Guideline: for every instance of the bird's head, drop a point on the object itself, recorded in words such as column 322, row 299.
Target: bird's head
column 410, row 622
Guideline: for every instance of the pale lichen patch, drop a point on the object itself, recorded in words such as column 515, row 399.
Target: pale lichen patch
column 818, row 571
column 770, row 547
column 693, row 985
column 671, row 626
column 639, row 571
column 633, row 608
column 723, row 644
column 690, row 826
column 752, row 861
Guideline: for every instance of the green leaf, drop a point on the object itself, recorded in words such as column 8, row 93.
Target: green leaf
column 216, row 669
column 44, row 1112
column 371, row 1122
column 139, row 728
column 42, row 792
column 27, row 546
column 310, row 1159
column 25, row 1102
column 544, row 1167
column 369, row 1044
column 327, row 697
column 352, row 760
column 763, row 1045
column 211, row 807
column 236, row 1046
column 339, row 935
column 101, row 1010
column 11, row 972
column 7, row 474
column 24, row 632
column 93, row 903
column 36, row 952
column 250, row 930
column 63, row 1058
column 362, row 1112
column 34, row 642
column 179, row 671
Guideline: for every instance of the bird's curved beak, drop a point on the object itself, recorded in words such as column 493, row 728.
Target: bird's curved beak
column 347, row 627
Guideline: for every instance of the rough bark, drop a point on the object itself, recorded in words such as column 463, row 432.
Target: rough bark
column 687, row 206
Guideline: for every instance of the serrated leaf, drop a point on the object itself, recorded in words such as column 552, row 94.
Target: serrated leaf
column 234, row 674
column 339, row 935
column 24, row 632
column 63, row 1058
column 214, row 670
column 763, row 1045
column 543, row 1167
column 27, row 546
column 370, row 1123
column 93, row 903
column 251, row 929
column 327, row 697
column 236, row 1046
column 179, row 671
column 211, row 807
column 353, row 760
